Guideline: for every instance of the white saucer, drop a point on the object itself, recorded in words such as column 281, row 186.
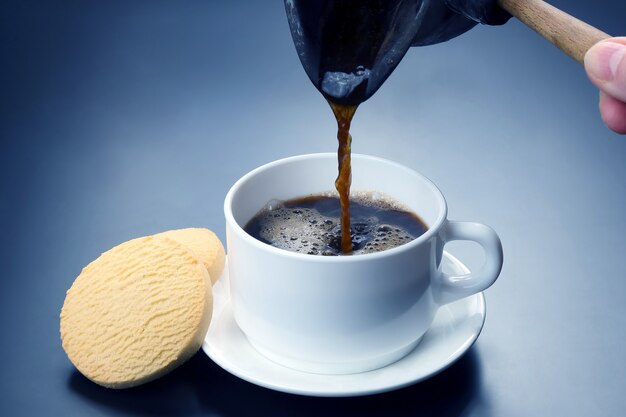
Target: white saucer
column 454, row 330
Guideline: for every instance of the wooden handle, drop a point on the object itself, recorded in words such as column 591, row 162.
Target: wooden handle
column 572, row 36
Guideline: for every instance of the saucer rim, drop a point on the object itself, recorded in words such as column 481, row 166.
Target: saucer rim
column 232, row 368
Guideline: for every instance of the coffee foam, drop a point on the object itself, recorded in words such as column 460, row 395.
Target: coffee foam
column 378, row 200
column 305, row 230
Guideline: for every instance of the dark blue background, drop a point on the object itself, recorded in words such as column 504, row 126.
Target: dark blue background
column 124, row 118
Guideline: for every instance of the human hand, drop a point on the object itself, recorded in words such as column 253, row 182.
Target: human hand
column 605, row 63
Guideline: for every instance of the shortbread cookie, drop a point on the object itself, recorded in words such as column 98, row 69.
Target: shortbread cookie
column 205, row 244
column 137, row 312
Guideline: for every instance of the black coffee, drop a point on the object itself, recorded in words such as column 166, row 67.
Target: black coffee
column 344, row 115
column 312, row 224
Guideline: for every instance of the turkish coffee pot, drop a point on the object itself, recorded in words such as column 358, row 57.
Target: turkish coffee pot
column 348, row 48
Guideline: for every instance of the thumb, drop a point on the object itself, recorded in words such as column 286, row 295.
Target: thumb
column 605, row 63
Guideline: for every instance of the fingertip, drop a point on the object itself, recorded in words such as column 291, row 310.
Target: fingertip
column 605, row 64
column 613, row 113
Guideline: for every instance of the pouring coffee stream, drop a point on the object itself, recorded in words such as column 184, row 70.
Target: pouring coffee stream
column 349, row 48
column 344, row 115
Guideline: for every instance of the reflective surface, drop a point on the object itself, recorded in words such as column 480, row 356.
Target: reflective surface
column 120, row 119
column 348, row 48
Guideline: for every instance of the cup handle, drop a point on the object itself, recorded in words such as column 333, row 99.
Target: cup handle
column 450, row 288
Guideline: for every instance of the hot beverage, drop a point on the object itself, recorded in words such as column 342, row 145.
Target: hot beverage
column 312, row 225
column 344, row 115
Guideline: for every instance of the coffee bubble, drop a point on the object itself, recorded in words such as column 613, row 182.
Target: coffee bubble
column 273, row 205
column 311, row 225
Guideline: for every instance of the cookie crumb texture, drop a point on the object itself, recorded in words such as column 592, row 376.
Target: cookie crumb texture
column 137, row 312
column 205, row 244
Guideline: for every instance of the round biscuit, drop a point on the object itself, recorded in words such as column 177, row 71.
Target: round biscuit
column 206, row 245
column 136, row 312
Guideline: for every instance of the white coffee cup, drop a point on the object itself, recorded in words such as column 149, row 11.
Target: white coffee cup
column 345, row 314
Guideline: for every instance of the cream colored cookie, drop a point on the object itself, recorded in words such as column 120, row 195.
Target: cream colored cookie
column 137, row 312
column 205, row 244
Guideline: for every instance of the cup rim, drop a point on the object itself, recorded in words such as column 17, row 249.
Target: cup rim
column 242, row 234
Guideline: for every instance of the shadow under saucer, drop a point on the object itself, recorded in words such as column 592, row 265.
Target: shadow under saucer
column 200, row 387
